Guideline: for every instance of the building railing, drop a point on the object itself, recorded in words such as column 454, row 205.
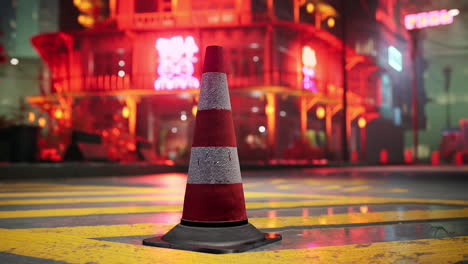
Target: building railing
column 114, row 83
column 100, row 83
column 221, row 17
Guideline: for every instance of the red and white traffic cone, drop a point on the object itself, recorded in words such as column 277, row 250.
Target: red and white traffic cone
column 214, row 218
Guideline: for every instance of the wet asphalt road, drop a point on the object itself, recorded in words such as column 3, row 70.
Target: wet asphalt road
column 326, row 215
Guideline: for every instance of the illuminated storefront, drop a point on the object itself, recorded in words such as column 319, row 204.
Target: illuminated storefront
column 138, row 80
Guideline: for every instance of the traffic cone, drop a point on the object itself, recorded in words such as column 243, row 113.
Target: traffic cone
column 214, row 218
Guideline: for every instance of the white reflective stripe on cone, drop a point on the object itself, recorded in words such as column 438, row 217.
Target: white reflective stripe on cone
column 214, row 92
column 214, row 165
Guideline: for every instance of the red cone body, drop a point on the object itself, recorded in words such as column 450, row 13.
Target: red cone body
column 214, row 191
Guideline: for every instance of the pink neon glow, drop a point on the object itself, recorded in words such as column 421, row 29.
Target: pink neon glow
column 430, row 19
column 309, row 61
column 176, row 59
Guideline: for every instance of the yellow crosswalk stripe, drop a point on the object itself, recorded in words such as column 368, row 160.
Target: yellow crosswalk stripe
column 92, row 200
column 263, row 222
column 356, row 188
column 89, row 211
column 277, row 181
column 398, row 190
column 286, row 186
column 41, row 186
column 71, row 249
column 105, row 192
column 111, row 199
column 144, row 198
column 173, row 208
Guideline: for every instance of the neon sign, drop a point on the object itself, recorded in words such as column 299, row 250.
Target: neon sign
column 395, row 59
column 309, row 61
column 176, row 59
column 430, row 19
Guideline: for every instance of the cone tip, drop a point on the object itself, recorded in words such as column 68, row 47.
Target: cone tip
column 214, row 59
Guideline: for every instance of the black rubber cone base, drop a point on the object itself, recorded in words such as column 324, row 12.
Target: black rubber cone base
column 217, row 240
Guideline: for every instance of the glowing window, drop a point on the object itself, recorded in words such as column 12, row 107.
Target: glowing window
column 395, row 59
column 176, row 59
column 309, row 61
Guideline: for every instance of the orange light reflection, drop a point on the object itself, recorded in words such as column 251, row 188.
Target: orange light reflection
column 364, row 209
column 272, row 218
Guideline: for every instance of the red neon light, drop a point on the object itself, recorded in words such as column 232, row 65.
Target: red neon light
column 430, row 19
column 309, row 62
column 176, row 59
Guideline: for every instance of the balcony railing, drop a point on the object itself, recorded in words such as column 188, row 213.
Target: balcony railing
column 114, row 83
column 189, row 19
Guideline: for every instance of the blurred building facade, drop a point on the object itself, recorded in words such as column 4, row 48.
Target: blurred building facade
column 445, row 53
column 134, row 76
column 20, row 20
column 378, row 33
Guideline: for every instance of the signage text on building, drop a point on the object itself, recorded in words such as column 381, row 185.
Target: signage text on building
column 176, row 60
column 430, row 19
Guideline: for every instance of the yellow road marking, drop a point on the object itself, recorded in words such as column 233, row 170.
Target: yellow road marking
column 90, row 211
column 263, row 222
column 72, row 249
column 92, row 200
column 286, row 186
column 138, row 198
column 12, row 190
column 144, row 198
column 294, row 195
column 357, row 188
column 26, row 184
column 41, row 186
column 106, row 192
column 53, row 188
column 252, row 184
column 172, row 208
column 150, row 198
column 345, row 200
column 325, row 181
column 278, row 181
column 107, row 230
